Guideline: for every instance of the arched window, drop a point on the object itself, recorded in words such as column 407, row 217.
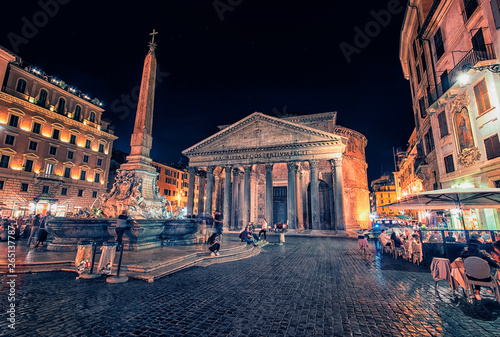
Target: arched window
column 42, row 99
column 92, row 116
column 61, row 106
column 21, row 86
column 78, row 113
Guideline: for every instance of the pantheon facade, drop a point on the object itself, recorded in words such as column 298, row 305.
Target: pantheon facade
column 305, row 171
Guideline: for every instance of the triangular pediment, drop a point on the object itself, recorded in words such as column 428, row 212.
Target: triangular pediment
column 259, row 131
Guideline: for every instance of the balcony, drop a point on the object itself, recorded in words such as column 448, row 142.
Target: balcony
column 48, row 177
column 471, row 58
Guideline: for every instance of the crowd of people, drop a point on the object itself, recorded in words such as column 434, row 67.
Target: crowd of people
column 32, row 228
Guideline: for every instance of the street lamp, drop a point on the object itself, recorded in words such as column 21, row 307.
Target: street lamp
column 463, row 78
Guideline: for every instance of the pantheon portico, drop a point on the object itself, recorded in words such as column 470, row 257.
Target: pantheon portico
column 301, row 170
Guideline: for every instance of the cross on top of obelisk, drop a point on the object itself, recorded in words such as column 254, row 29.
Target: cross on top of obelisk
column 152, row 44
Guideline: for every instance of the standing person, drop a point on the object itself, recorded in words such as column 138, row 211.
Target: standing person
column 34, row 229
column 121, row 225
column 42, row 233
column 264, row 229
column 214, row 244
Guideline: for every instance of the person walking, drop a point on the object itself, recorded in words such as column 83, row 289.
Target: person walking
column 34, row 229
column 264, row 229
column 218, row 224
column 42, row 233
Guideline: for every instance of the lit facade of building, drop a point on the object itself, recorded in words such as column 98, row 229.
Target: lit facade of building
column 383, row 192
column 54, row 147
column 456, row 108
column 173, row 183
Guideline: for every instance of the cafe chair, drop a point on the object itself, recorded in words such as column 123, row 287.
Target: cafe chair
column 477, row 272
column 396, row 251
column 416, row 253
column 407, row 250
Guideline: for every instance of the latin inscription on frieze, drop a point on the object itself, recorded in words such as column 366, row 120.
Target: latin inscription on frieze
column 262, row 155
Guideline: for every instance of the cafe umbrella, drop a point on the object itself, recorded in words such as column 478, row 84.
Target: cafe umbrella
column 450, row 198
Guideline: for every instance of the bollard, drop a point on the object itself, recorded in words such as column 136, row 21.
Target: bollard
column 91, row 275
column 118, row 278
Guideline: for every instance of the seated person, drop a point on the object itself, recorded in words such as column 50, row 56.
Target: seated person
column 450, row 238
column 214, row 244
column 472, row 249
column 384, row 239
column 396, row 239
column 435, row 237
column 246, row 236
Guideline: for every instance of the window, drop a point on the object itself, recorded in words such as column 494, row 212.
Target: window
column 72, row 139
column 421, row 103
column 482, row 98
column 67, row 172
column 71, row 154
column 469, row 8
column 28, row 165
column 64, row 191
column 24, row 187
column 78, row 113
column 33, row 145
column 492, row 146
column 4, row 162
column 423, row 63
column 419, row 76
column 53, row 150
column 88, row 142
column 80, row 193
column 61, row 106
column 97, row 177
column 42, row 99
column 1, row 184
column 55, row 133
column 415, row 53
column 85, row 158
column 94, row 194
column 45, row 189
column 429, row 141
column 443, row 125
column 438, row 43
column 92, row 116
column 99, row 161
column 448, row 164
column 101, row 148
column 9, row 139
column 478, row 43
column 83, row 175
column 49, row 169
column 36, row 128
column 14, row 121
column 21, row 86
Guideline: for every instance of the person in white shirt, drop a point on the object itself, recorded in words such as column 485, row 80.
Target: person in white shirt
column 385, row 239
column 264, row 229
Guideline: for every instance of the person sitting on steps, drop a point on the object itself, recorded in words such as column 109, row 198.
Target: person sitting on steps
column 214, row 244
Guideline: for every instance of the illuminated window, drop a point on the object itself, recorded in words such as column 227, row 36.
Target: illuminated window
column 88, row 143
column 78, row 113
column 28, row 165
column 21, row 86
column 482, row 97
column 97, row 177
column 83, row 175
column 92, row 117
column 72, row 139
column 101, row 148
column 56, row 133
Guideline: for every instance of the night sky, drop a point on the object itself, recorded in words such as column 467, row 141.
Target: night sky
column 218, row 66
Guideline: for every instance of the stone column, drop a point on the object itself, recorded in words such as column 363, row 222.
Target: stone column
column 192, row 180
column 300, row 195
column 337, row 192
column 246, row 202
column 241, row 199
column 201, row 195
column 227, row 198
column 269, row 194
column 210, row 190
column 234, row 203
column 291, row 200
column 313, row 165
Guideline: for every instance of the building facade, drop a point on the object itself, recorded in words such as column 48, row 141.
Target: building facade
column 55, row 149
column 383, row 192
column 304, row 170
column 447, row 51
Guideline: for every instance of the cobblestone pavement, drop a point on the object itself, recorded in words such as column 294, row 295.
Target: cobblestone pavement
column 307, row 287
